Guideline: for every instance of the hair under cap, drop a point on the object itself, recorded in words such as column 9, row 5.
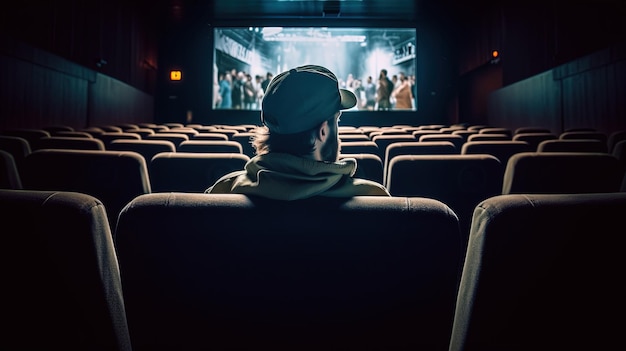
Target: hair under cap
column 302, row 98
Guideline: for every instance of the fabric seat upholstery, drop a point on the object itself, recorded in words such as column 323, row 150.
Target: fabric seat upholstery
column 61, row 281
column 227, row 271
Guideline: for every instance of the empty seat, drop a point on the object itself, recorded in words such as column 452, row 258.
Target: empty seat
column 416, row 148
column 114, row 177
column 418, row 133
column 209, row 136
column 496, row 130
column 146, row 148
column 455, row 139
column 18, row 147
column 141, row 131
column 501, row 149
column 572, row 145
column 488, row 136
column 464, row 133
column 543, row 272
column 74, row 143
column 192, row 172
column 353, row 137
column 74, row 134
column 382, row 141
column 614, row 138
column 581, row 134
column 108, row 137
column 58, row 128
column 460, row 181
column 210, row 271
column 61, row 281
column 227, row 146
column 533, row 139
column 619, row 151
column 369, row 166
column 245, row 140
column 562, row 172
column 190, row 132
column 30, row 134
column 9, row 173
column 360, row 147
column 111, row 128
column 531, row 129
column 175, row 138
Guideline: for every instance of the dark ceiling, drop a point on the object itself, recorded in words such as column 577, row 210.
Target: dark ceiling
column 401, row 10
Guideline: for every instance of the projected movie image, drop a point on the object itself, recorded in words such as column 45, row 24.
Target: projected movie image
column 377, row 64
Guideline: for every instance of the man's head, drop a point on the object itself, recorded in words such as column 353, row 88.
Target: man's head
column 303, row 98
column 300, row 109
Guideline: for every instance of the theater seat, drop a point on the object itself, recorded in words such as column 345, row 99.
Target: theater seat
column 113, row 177
column 191, row 171
column 369, row 166
column 9, row 173
column 543, row 272
column 562, row 172
column 60, row 277
column 460, row 181
column 210, row 271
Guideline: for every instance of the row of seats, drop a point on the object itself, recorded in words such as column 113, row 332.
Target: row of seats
column 460, row 181
column 183, row 272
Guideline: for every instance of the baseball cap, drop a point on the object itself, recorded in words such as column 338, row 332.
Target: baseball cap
column 302, row 98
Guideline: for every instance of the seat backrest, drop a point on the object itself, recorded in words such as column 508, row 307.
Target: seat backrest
column 543, row 271
column 572, row 145
column 496, row 130
column 146, row 148
column 9, row 173
column 501, row 149
column 562, row 172
column 534, row 138
column 75, row 134
column 192, row 172
column 488, row 136
column 113, row 177
column 360, row 147
column 143, row 132
column 18, row 147
column 30, row 134
column 61, row 280
column 531, row 129
column 201, row 271
column 245, row 140
column 354, row 137
column 460, row 181
column 209, row 136
column 175, row 138
column 73, row 143
column 464, row 133
column 619, row 151
column 227, row 146
column 369, row 166
column 455, row 139
column 108, row 137
column 416, row 148
column 595, row 135
column 614, row 138
column 383, row 140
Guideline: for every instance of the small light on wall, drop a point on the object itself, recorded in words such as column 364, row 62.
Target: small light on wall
column 176, row 75
column 495, row 57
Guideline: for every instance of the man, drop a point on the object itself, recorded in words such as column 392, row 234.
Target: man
column 383, row 91
column 297, row 149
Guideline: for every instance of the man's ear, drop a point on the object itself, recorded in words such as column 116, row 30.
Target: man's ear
column 322, row 132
